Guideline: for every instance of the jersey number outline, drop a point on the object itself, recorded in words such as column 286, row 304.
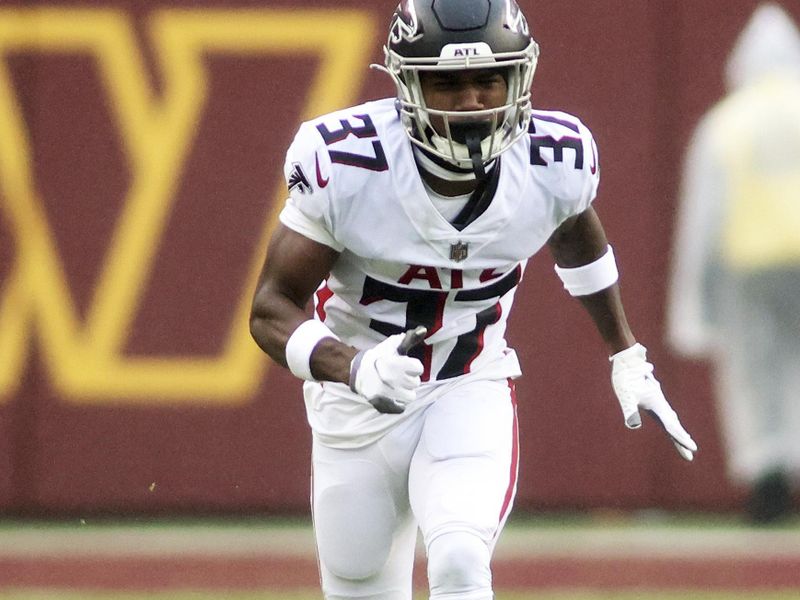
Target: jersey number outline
column 426, row 308
column 367, row 130
column 558, row 146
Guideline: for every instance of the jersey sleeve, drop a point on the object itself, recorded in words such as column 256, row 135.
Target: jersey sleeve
column 565, row 151
column 308, row 209
column 590, row 174
column 581, row 178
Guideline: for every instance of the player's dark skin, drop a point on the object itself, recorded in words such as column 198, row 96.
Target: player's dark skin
column 476, row 89
column 295, row 265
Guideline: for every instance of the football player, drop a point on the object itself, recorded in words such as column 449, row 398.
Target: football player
column 410, row 221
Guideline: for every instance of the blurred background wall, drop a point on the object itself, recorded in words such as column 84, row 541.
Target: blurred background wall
column 141, row 151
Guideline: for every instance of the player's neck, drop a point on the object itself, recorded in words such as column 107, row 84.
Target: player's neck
column 446, row 187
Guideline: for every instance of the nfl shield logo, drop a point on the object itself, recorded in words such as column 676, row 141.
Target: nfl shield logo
column 459, row 251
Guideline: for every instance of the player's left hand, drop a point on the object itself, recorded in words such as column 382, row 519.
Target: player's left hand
column 636, row 388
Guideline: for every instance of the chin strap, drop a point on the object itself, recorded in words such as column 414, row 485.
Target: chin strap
column 442, row 169
column 473, row 142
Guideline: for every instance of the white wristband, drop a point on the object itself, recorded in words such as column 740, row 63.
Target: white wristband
column 591, row 278
column 301, row 344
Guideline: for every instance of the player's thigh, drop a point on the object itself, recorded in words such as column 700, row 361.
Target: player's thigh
column 360, row 502
column 463, row 473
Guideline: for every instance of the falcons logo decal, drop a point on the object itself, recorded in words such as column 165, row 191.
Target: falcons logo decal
column 405, row 25
column 297, row 179
column 515, row 20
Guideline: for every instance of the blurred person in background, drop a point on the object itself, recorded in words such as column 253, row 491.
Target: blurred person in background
column 735, row 290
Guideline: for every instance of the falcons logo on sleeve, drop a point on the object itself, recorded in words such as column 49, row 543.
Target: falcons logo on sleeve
column 297, row 179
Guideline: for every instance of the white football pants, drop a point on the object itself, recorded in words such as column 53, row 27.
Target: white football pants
column 450, row 469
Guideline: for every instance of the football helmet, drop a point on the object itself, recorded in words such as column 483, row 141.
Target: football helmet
column 446, row 35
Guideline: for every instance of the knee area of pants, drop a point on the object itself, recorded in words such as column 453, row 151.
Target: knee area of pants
column 458, row 562
column 354, row 538
column 349, row 571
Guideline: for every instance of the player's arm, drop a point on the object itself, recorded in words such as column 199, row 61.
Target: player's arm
column 585, row 263
column 294, row 267
column 581, row 241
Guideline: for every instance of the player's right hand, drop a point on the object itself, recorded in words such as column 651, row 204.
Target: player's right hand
column 384, row 376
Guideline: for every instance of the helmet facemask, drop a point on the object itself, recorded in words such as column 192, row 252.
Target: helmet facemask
column 470, row 139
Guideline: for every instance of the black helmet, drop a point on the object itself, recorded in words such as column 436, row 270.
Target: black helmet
column 446, row 35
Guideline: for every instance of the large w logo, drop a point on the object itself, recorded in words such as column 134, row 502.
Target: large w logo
column 85, row 354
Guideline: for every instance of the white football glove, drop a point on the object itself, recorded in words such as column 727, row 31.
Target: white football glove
column 385, row 376
column 637, row 388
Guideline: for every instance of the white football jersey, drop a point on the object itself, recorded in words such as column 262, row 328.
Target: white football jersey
column 354, row 186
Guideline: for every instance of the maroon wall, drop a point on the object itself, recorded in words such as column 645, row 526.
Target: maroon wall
column 81, row 432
